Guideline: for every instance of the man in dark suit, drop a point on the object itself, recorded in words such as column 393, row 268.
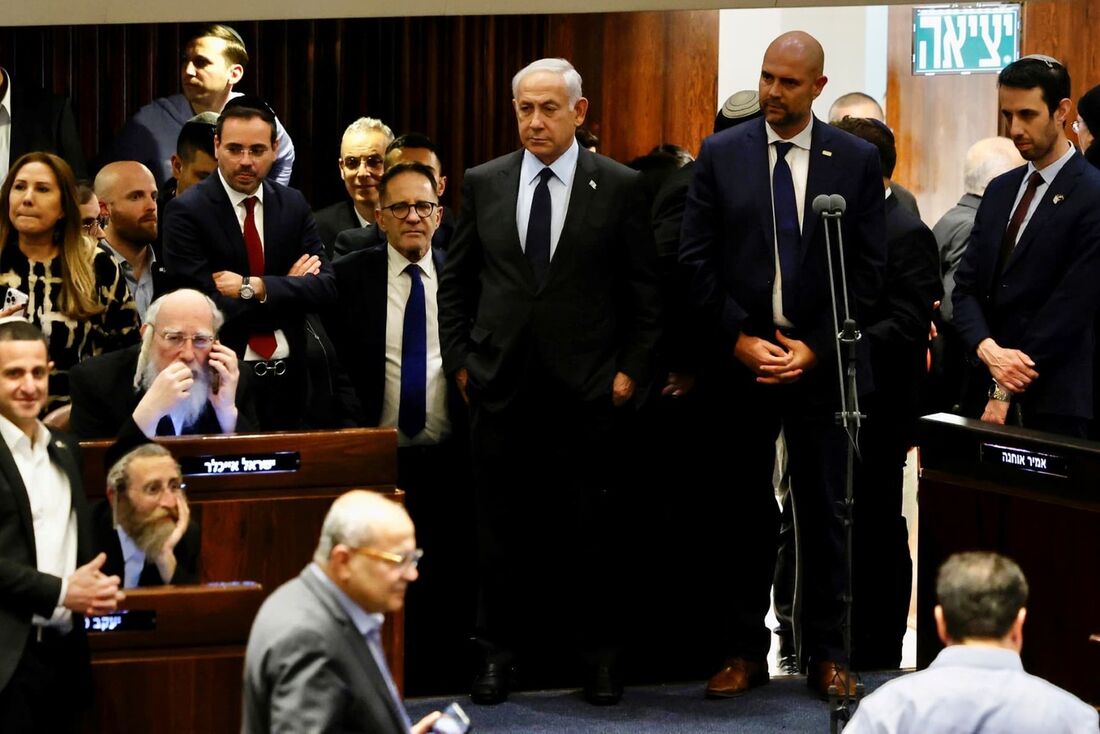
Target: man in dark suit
column 253, row 247
column 386, row 332
column 192, row 162
column 897, row 330
column 314, row 660
column 35, row 119
column 48, row 577
column 548, row 314
column 144, row 526
column 1025, row 293
column 362, row 158
column 760, row 280
column 165, row 386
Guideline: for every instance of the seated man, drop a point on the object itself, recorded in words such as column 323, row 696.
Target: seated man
column 179, row 381
column 977, row 683
column 144, row 526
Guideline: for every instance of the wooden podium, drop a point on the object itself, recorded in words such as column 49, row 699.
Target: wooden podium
column 260, row 500
column 1034, row 497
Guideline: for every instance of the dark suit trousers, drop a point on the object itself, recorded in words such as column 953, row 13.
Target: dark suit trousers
column 50, row 688
column 547, row 537
column 742, row 524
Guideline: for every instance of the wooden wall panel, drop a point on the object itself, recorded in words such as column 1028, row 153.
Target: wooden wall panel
column 448, row 77
column 935, row 120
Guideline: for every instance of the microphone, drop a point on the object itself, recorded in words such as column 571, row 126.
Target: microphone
column 822, row 204
column 837, row 204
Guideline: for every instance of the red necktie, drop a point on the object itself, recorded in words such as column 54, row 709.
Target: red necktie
column 262, row 343
column 1008, row 243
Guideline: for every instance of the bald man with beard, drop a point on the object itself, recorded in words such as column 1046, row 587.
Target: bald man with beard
column 127, row 196
column 179, row 381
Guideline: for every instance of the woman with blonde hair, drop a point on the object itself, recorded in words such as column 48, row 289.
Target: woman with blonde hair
column 55, row 276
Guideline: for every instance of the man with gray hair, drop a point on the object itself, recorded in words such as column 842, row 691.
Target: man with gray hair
column 314, row 660
column 977, row 683
column 362, row 158
column 548, row 317
column 144, row 526
column 179, row 381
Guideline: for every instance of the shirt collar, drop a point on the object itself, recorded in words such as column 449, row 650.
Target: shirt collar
column 563, row 167
column 121, row 260
column 13, row 436
column 802, row 140
column 128, row 546
column 1051, row 172
column 363, row 620
column 397, row 263
column 978, row 656
column 236, row 197
column 5, row 101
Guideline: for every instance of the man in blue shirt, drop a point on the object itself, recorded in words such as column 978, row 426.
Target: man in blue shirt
column 977, row 683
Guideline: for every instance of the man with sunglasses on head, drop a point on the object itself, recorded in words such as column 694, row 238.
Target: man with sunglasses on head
column 144, row 526
column 179, row 381
column 362, row 156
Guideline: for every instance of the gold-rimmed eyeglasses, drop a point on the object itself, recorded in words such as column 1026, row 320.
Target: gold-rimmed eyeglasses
column 404, row 561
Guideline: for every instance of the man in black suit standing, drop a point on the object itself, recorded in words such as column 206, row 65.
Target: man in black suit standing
column 548, row 315
column 252, row 246
column 362, row 158
column 48, row 577
column 385, row 328
column 35, row 119
column 1025, row 292
column 756, row 255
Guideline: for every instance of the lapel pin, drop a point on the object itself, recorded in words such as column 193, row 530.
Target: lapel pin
column 59, row 444
column 592, row 184
column 1059, row 198
column 827, row 153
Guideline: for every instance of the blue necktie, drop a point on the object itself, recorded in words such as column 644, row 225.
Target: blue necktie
column 538, row 228
column 414, row 359
column 788, row 233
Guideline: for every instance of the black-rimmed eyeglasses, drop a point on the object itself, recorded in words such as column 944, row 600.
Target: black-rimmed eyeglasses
column 401, row 209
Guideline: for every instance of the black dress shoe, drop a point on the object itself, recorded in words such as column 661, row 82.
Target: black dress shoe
column 603, row 687
column 491, row 684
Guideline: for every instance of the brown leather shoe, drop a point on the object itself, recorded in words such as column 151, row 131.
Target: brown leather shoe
column 828, row 673
column 738, row 676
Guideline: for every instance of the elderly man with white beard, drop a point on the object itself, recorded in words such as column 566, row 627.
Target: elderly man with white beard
column 179, row 381
column 145, row 526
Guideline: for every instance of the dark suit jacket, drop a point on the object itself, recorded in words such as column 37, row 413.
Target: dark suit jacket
column 202, row 236
column 307, row 668
column 332, row 220
column 105, row 540
column 24, row 591
column 597, row 312
column 1046, row 299
column 357, row 327
column 44, row 121
column 898, row 326
column 728, row 241
column 358, row 238
column 104, row 399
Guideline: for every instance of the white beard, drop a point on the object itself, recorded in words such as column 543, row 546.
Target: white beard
column 186, row 412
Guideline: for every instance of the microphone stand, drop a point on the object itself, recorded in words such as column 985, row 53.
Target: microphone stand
column 841, row 703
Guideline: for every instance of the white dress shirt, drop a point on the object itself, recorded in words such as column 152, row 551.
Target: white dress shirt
column 798, row 160
column 51, row 512
column 437, row 426
column 236, row 198
column 1048, row 175
column 133, row 559
column 5, row 127
column 362, row 222
column 560, row 185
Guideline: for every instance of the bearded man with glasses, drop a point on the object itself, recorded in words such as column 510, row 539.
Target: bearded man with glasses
column 179, row 381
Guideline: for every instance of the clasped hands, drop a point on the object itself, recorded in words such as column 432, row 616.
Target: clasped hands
column 90, row 591
column 229, row 283
column 1012, row 369
column 774, row 364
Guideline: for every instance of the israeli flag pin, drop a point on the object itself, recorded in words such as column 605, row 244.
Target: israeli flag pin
column 592, row 184
column 1059, row 198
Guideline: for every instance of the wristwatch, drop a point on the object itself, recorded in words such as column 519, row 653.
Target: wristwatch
column 996, row 392
column 247, row 291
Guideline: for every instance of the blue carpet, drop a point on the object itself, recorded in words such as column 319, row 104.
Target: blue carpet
column 785, row 704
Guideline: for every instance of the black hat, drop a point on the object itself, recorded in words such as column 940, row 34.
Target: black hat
column 1088, row 109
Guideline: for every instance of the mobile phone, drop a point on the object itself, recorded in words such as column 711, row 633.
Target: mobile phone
column 453, row 721
column 215, row 380
column 14, row 297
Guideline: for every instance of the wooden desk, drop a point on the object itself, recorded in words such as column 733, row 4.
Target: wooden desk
column 979, row 490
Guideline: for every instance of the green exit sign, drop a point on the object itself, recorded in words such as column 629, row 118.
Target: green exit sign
column 965, row 39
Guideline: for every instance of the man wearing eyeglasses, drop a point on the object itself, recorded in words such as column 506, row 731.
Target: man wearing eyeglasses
column 362, row 154
column 179, row 381
column 314, row 660
column 385, row 328
column 144, row 525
